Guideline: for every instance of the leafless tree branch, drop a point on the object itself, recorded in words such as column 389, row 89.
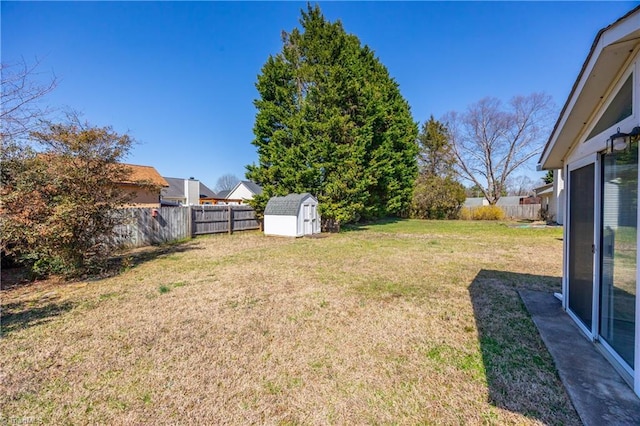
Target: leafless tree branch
column 492, row 141
column 226, row 182
column 20, row 100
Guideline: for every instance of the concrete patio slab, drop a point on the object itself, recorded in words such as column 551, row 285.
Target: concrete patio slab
column 598, row 393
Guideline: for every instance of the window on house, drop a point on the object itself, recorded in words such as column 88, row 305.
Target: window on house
column 620, row 108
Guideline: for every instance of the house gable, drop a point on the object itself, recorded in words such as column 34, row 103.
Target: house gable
column 620, row 107
column 244, row 190
column 611, row 52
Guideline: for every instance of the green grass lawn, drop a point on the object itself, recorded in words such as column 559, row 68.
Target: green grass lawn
column 407, row 322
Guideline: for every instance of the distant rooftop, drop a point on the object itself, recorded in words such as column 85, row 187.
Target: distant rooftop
column 252, row 186
column 224, row 194
column 176, row 189
column 145, row 174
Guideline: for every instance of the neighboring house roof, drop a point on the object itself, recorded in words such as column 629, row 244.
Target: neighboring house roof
column 206, row 192
column 286, row 206
column 176, row 189
column 610, row 50
column 137, row 173
column 224, row 194
column 547, row 188
column 252, row 186
column 145, row 174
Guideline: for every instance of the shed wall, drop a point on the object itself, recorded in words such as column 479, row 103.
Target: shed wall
column 285, row 226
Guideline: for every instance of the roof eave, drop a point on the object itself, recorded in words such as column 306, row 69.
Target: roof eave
column 606, row 56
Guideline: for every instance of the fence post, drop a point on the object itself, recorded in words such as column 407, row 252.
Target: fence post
column 229, row 214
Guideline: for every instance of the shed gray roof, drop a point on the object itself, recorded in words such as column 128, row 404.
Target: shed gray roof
column 286, row 206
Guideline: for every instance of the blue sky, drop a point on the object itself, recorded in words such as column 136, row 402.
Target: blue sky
column 180, row 76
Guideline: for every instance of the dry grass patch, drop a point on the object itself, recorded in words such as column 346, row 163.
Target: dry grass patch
column 407, row 322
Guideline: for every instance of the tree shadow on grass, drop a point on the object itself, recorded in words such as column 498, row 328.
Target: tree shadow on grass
column 521, row 376
column 26, row 314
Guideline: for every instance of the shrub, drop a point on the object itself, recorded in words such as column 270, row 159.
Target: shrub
column 465, row 213
column 482, row 213
column 435, row 197
column 544, row 214
column 57, row 205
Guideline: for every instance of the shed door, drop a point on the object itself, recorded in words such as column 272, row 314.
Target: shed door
column 581, row 242
column 308, row 230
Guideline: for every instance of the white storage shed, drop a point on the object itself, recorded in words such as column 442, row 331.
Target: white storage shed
column 292, row 216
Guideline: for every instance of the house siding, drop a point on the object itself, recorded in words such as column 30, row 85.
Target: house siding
column 141, row 197
column 574, row 145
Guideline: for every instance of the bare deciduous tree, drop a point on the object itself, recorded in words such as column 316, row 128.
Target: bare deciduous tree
column 520, row 185
column 20, row 106
column 491, row 140
column 226, row 182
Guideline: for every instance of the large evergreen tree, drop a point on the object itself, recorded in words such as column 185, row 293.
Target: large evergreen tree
column 436, row 156
column 437, row 194
column 332, row 122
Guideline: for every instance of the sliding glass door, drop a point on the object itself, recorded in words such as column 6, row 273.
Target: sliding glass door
column 618, row 254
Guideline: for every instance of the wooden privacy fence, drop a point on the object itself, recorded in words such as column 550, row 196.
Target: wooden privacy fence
column 522, row 211
column 217, row 219
column 142, row 227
